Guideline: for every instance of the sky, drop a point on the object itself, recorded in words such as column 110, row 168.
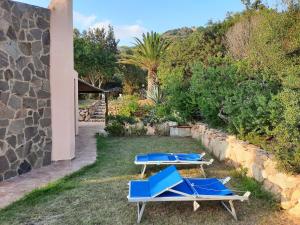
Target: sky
column 131, row 18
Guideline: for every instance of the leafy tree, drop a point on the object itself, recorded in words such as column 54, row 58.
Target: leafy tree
column 133, row 77
column 147, row 54
column 200, row 45
column 95, row 53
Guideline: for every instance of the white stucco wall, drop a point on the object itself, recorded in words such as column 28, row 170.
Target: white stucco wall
column 62, row 80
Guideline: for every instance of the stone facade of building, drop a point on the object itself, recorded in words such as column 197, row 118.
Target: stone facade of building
column 25, row 107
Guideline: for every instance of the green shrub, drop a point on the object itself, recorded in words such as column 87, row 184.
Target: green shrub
column 129, row 105
column 116, row 124
column 245, row 183
column 115, row 128
column 138, row 131
column 121, row 119
column 286, row 130
column 229, row 95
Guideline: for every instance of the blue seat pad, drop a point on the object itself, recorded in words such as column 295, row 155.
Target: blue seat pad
column 139, row 189
column 208, row 186
column 189, row 157
column 168, row 157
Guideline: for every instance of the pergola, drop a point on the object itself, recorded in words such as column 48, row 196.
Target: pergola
column 85, row 87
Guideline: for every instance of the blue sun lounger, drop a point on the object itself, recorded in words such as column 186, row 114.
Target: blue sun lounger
column 168, row 185
column 171, row 159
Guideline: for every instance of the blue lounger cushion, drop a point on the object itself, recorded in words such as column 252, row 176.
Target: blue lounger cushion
column 158, row 185
column 205, row 186
column 189, row 157
column 139, row 189
column 168, row 157
column 163, row 180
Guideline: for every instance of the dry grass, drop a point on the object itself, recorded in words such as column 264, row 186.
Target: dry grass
column 97, row 194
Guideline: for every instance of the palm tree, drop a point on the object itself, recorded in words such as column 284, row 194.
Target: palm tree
column 147, row 54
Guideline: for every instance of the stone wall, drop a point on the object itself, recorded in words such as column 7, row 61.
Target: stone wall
column 259, row 164
column 25, row 112
column 94, row 113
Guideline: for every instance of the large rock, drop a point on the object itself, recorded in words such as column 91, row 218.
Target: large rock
column 4, row 122
column 4, row 165
column 295, row 211
column 4, row 86
column 3, row 60
column 2, row 133
column 11, row 33
column 25, row 48
column 6, row 112
column 11, row 156
column 30, row 132
column 20, row 88
column 36, row 33
column 42, row 23
column 150, row 130
column 15, row 102
column 16, row 126
column 12, row 140
column 30, row 103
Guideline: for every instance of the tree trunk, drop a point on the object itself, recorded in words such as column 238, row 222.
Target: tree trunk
column 152, row 80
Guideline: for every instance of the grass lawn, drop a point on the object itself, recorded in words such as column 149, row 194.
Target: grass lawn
column 98, row 194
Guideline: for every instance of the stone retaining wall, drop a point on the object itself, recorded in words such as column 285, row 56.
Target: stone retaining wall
column 86, row 113
column 259, row 164
column 25, row 107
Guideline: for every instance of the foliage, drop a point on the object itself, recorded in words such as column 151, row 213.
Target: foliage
column 129, row 105
column 156, row 95
column 116, row 125
column 241, row 75
column 199, row 45
column 137, row 130
column 121, row 119
column 125, row 105
column 147, row 54
column 133, row 77
column 287, row 130
column 115, row 128
column 95, row 55
column 246, row 183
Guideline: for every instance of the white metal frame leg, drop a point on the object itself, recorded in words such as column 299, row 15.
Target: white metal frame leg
column 140, row 209
column 202, row 170
column 143, row 170
column 231, row 210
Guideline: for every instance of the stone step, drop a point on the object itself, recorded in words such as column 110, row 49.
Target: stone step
column 100, row 111
column 97, row 120
column 98, row 116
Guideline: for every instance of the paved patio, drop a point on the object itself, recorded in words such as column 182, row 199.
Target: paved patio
column 15, row 188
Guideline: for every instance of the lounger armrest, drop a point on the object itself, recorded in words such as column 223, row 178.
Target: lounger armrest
column 226, row 180
column 246, row 195
column 210, row 161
